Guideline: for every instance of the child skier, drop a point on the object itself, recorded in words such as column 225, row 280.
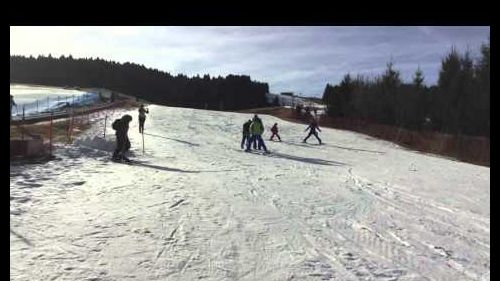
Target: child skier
column 122, row 141
column 312, row 130
column 246, row 133
column 274, row 130
column 142, row 117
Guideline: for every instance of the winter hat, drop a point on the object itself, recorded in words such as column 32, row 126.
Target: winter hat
column 127, row 118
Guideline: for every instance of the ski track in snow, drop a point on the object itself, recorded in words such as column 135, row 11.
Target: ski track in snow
column 195, row 207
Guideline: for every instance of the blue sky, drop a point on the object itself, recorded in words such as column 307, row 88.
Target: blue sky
column 298, row 59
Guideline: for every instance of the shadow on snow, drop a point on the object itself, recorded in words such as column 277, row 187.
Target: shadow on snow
column 355, row 149
column 181, row 141
column 316, row 161
column 308, row 160
column 162, row 168
column 21, row 237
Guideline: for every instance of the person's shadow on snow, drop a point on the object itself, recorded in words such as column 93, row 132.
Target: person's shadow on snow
column 316, row 161
column 162, row 168
column 181, row 141
column 22, row 238
column 143, row 164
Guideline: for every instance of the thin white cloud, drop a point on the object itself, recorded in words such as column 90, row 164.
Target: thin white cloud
column 301, row 59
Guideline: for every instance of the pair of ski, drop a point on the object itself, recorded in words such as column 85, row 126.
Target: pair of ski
column 322, row 143
column 257, row 152
column 123, row 160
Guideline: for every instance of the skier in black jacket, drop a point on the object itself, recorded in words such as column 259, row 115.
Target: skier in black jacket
column 142, row 117
column 312, row 130
column 246, row 133
column 122, row 142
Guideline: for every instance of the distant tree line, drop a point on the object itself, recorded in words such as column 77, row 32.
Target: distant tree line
column 459, row 103
column 229, row 93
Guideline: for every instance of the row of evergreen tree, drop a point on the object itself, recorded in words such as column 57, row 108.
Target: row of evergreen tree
column 459, row 103
column 229, row 93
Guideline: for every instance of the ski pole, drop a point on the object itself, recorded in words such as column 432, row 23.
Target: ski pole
column 22, row 123
column 71, row 122
column 142, row 141
column 50, row 133
column 105, row 119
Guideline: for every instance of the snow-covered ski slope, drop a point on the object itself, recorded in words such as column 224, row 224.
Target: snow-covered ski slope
column 196, row 207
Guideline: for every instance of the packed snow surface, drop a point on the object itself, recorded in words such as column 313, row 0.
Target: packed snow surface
column 196, row 207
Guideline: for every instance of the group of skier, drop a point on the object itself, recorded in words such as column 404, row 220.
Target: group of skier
column 252, row 133
column 254, row 128
column 121, row 131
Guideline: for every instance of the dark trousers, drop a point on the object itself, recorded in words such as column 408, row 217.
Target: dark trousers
column 257, row 138
column 313, row 133
column 127, row 144
column 141, row 125
column 275, row 134
column 244, row 140
column 122, row 145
